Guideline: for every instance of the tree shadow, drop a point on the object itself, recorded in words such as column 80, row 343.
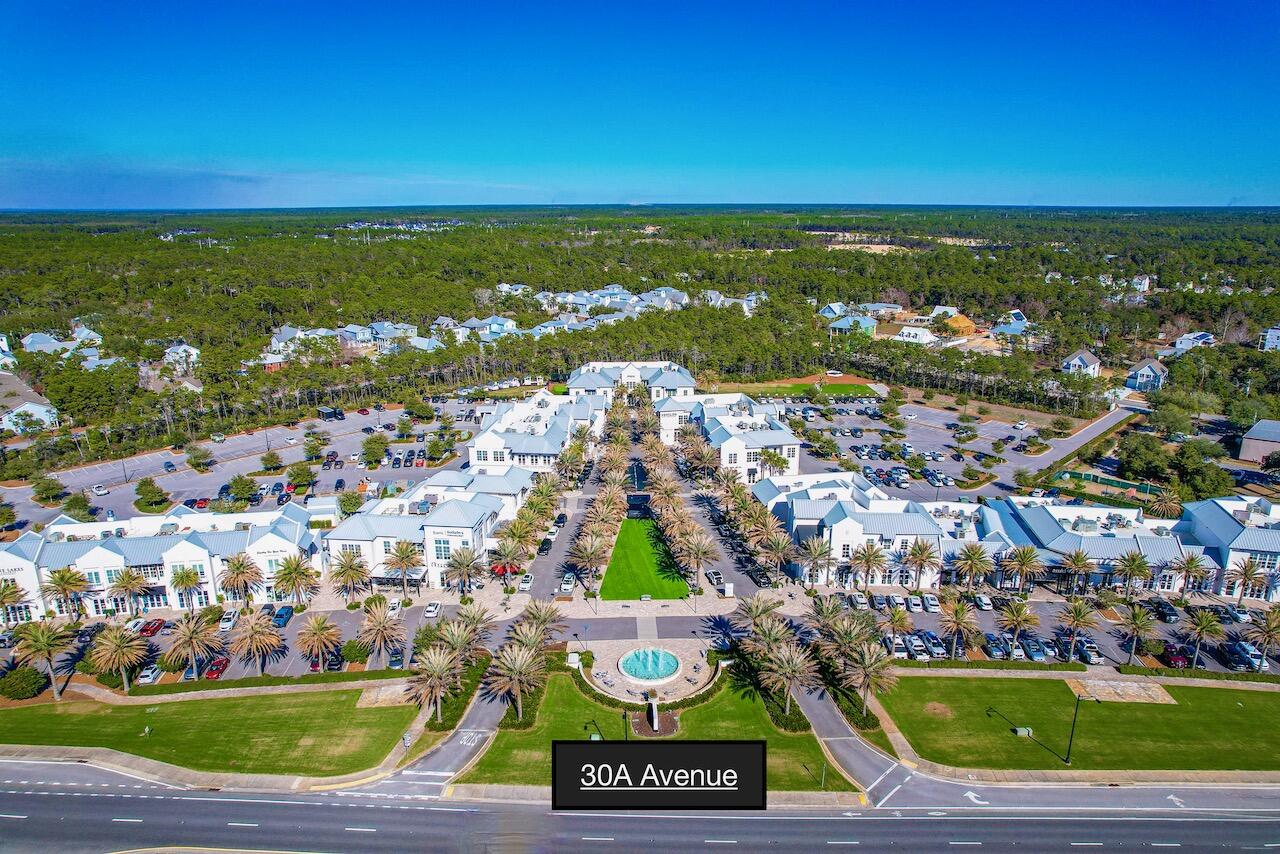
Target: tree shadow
column 666, row 566
column 992, row 711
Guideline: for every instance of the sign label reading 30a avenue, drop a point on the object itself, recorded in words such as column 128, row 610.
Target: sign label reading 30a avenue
column 669, row 775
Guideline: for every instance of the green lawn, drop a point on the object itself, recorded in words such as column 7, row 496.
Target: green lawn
column 642, row 564
column 796, row 389
column 314, row 734
column 946, row 720
column 524, row 756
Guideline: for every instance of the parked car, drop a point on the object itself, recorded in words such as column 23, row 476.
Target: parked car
column 895, row 646
column 914, row 604
column 1087, row 651
column 268, row 609
column 334, row 662
column 393, row 607
column 526, row 583
column 282, row 616
column 714, row 578
column 1014, row 647
column 228, row 621
column 561, row 520
column 149, row 675
column 879, row 602
column 395, row 658
column 567, row 583
column 1172, row 656
column 1165, row 612
column 1238, row 614
column 933, row 643
column 151, row 628
column 169, row 466
column 858, row 600
column 993, row 646
column 1033, row 648
column 217, row 667
column 896, row 601
column 931, row 603
column 982, row 602
column 544, row 547
column 431, row 611
column 916, row 648
column 134, row 625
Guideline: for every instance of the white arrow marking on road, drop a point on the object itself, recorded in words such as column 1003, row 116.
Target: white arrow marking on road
column 974, row 797
column 1179, row 802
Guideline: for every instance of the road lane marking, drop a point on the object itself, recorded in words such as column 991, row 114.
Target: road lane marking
column 843, row 842
column 241, row 824
column 1085, row 844
column 597, row 839
column 361, row 829
column 1166, row 844
column 892, row 792
column 15, row 817
column 958, row 842
column 887, row 772
column 128, row 820
column 719, row 842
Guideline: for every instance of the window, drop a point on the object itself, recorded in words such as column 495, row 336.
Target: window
column 791, row 452
column 111, row 576
column 351, row 549
column 733, row 460
column 846, row 551
column 442, row 549
column 499, row 456
column 386, row 547
column 95, row 577
column 753, row 457
column 1267, row 561
column 482, row 456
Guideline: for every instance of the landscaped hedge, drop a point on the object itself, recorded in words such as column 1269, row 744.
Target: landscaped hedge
column 262, row 681
column 22, row 683
column 1108, row 500
column 1196, row 673
column 990, row 664
column 456, row 702
column 775, row 705
column 850, row 705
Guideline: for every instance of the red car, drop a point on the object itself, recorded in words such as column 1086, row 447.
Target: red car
column 202, row 503
column 290, row 489
column 1174, row 657
column 151, row 628
column 363, row 411
column 217, row 667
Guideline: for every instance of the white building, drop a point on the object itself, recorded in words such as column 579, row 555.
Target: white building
column 1147, row 375
column 509, row 484
column 182, row 357
column 8, row 361
column 916, row 335
column 743, row 432
column 156, row 546
column 1188, row 342
column 601, row 379
column 1082, row 362
column 532, row 433
column 29, row 417
column 1270, row 339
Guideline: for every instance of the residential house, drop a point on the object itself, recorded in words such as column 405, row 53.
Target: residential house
column 182, row 357
column 659, row 379
column 355, row 335
column 532, row 433
column 1270, row 339
column 1082, row 362
column 1186, row 343
column 833, row 310
column 881, row 310
column 1262, row 439
column 860, row 323
column 8, row 361
column 29, row 417
column 42, row 342
column 916, row 335
column 1147, row 375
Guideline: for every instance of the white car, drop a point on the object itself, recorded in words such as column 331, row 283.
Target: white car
column 431, row 611
column 909, row 416
column 1016, row 652
column 833, row 373
column 983, row 602
column 896, row 601
column 393, row 607
column 228, row 621
column 292, row 440
column 859, row 600
column 218, row 438
column 134, row 625
column 526, row 582
column 916, row 648
column 895, row 646
column 353, row 458
column 1021, row 425
column 149, row 675
column 566, row 585
column 931, row 603
column 99, row 489
column 914, row 605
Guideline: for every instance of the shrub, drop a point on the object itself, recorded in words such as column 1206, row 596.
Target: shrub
column 110, row 680
column 354, row 606
column 22, row 683
column 1153, row 646
column 355, row 651
column 211, row 613
column 374, row 601
column 406, row 603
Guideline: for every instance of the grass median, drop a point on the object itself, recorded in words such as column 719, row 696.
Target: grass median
column 523, row 757
column 312, row 734
column 642, row 564
column 969, row 723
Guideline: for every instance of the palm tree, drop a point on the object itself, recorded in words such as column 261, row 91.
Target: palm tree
column 922, row 556
column 43, row 641
column 897, row 622
column 1166, row 505
column 1139, row 624
column 546, row 615
column 1246, row 574
column 772, row 463
column 477, row 618
column 461, row 640
column 1017, row 617
column 514, row 672
column 11, row 596
column 824, row 611
column 1132, row 566
column 508, row 560
column 776, row 551
column 867, row 560
column 1024, row 562
column 186, row 581
column 1266, row 632
column 960, row 620
column 769, row 634
column 255, row 638
column 844, row 634
column 193, row 639
column 240, row 577
column 118, row 650
column 318, row 637
column 525, row 633
column 405, row 557
column 521, row 532
column 1075, row 565
column 349, row 574
column 788, row 667
column 1077, row 616
column 815, row 555
column 432, row 671
column 65, row 583
column 381, row 632
column 129, row 584
column 751, row 611
column 696, row 552
column 1204, row 626
column 972, row 563
column 297, row 577
column 1192, row 568
column 464, row 567
column 870, row 670
column 589, row 554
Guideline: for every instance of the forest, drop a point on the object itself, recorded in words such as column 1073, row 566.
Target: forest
column 222, row 281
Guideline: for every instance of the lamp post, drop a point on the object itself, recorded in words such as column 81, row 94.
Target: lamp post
column 1075, row 717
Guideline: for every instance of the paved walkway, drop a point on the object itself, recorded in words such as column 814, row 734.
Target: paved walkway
column 106, row 695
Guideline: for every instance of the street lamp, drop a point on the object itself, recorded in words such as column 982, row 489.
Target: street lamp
column 1074, row 718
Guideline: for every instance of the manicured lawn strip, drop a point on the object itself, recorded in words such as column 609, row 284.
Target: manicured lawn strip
column 259, row 681
column 455, row 704
column 523, row 757
column 797, row 389
column 946, row 720
column 990, row 664
column 313, row 734
column 641, row 564
column 1198, row 673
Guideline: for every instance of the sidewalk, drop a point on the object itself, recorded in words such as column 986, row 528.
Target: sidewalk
column 106, row 695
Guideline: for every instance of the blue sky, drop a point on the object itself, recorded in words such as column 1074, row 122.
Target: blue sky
column 299, row 104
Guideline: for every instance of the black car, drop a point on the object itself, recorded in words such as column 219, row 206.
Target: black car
column 268, row 609
column 282, row 500
column 334, row 661
column 368, row 430
column 562, row 520
column 339, row 485
column 1165, row 612
column 255, row 499
column 395, row 659
column 545, row 547
column 190, row 503
column 338, row 464
column 169, row 466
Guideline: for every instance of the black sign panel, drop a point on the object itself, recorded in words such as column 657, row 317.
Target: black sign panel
column 667, row 775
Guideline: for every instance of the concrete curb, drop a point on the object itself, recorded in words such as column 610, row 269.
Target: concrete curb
column 542, row 795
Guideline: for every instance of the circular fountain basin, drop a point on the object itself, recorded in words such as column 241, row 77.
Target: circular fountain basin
column 650, row 665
